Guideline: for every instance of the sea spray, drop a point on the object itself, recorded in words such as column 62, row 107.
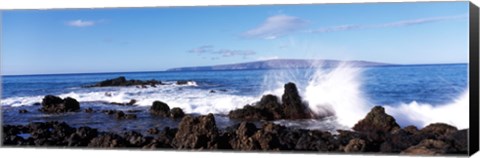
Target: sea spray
column 421, row 114
column 337, row 91
column 329, row 91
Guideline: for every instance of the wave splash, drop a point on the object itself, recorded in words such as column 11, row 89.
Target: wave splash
column 337, row 92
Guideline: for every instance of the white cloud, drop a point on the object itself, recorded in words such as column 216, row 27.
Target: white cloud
column 386, row 25
column 202, row 49
column 80, row 23
column 276, row 26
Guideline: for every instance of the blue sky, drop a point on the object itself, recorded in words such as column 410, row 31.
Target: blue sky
column 154, row 39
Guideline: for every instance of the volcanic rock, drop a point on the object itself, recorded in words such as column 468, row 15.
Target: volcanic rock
column 269, row 107
column 54, row 104
column 160, row 108
column 122, row 81
column 376, row 121
column 176, row 113
column 196, row 133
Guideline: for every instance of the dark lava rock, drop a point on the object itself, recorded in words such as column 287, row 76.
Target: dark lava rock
column 108, row 140
column 131, row 102
column 411, row 129
column 82, row 136
column 243, row 137
column 428, row 147
column 160, row 108
column 176, row 113
column 122, row 81
column 197, row 133
column 119, row 114
column 294, row 108
column 37, row 104
column 22, row 111
column 439, row 129
column 182, row 82
column 212, row 91
column 376, row 121
column 153, row 131
column 270, row 108
column 136, row 139
column 355, row 145
column 54, row 104
column 89, row 110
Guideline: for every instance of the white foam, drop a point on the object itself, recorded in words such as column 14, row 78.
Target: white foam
column 420, row 115
column 190, row 99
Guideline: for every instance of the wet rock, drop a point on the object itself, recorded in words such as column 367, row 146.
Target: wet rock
column 196, row 133
column 212, row 91
column 37, row 104
column 131, row 102
column 176, row 113
column 160, row 108
column 122, row 81
column 119, row 114
column 183, row 82
column 355, row 145
column 376, row 121
column 88, row 110
column 294, row 108
column 22, row 111
column 270, row 108
column 54, row 104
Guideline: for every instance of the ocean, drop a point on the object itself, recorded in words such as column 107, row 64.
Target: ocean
column 413, row 94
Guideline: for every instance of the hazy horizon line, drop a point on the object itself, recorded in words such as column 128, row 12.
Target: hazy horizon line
column 166, row 70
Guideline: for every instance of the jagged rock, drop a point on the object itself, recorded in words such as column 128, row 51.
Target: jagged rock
column 269, row 107
column 293, row 106
column 439, row 129
column 428, row 147
column 411, row 129
column 54, row 104
column 108, row 140
column 160, row 108
column 242, row 139
column 356, row 145
column 376, row 121
column 196, row 133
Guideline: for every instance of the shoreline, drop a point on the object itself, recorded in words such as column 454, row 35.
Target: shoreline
column 255, row 130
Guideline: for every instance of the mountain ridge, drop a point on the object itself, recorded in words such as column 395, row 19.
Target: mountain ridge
column 280, row 64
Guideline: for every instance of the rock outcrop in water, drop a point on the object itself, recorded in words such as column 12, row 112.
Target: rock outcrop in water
column 270, row 108
column 54, row 104
column 162, row 109
column 122, row 81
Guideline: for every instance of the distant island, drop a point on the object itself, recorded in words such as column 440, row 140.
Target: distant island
column 280, row 64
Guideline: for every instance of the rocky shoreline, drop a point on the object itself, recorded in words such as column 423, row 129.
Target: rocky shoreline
column 378, row 132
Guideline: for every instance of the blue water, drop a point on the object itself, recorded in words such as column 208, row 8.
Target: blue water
column 388, row 85
column 432, row 84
